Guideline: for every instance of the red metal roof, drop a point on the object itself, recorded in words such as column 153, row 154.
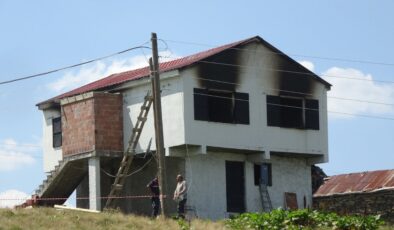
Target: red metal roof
column 119, row 78
column 116, row 79
column 357, row 183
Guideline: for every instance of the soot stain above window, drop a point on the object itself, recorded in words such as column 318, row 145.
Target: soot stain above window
column 223, row 68
column 293, row 79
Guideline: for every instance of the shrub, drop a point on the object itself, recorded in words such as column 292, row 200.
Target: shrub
column 302, row 219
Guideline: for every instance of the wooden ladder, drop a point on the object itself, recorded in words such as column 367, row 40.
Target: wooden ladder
column 265, row 197
column 128, row 155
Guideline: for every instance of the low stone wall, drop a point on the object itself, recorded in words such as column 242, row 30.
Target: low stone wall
column 380, row 202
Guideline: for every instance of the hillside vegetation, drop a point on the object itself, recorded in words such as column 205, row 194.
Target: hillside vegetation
column 59, row 219
column 50, row 218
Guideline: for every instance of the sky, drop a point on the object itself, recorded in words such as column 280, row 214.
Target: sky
column 338, row 40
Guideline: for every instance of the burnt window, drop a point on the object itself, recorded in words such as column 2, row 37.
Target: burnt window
column 263, row 174
column 292, row 112
column 221, row 106
column 57, row 132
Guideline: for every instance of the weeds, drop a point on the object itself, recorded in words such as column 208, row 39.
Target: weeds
column 303, row 219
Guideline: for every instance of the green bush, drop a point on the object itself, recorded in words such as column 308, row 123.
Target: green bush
column 302, row 219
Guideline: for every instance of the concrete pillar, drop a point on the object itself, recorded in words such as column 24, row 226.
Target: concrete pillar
column 94, row 184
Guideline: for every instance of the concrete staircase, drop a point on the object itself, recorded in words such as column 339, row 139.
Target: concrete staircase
column 61, row 182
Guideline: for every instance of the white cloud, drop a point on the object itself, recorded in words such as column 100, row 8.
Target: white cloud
column 14, row 155
column 12, row 197
column 365, row 90
column 100, row 70
column 307, row 64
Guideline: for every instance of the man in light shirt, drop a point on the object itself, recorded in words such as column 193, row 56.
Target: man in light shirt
column 180, row 195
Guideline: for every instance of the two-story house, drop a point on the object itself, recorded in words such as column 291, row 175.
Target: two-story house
column 231, row 115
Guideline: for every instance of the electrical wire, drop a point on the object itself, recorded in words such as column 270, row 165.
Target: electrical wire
column 282, row 54
column 132, row 173
column 74, row 65
column 21, row 145
column 302, row 74
column 343, row 113
column 296, row 92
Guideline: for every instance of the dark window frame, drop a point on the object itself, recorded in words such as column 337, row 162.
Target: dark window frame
column 57, row 132
column 293, row 112
column 209, row 105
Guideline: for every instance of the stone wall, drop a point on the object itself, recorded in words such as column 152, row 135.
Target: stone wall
column 380, row 202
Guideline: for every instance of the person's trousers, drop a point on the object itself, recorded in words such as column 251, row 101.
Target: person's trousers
column 155, row 206
column 181, row 208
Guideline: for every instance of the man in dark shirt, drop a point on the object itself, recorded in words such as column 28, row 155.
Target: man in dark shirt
column 154, row 188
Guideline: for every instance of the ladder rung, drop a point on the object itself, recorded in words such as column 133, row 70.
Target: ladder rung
column 142, row 118
column 136, row 129
column 117, row 186
column 148, row 98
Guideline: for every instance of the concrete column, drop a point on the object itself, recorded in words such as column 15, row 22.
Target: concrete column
column 94, row 184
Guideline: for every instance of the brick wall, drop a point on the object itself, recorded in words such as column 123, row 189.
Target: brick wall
column 380, row 202
column 92, row 123
column 109, row 122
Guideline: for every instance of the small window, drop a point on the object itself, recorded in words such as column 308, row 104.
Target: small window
column 263, row 173
column 57, row 132
column 221, row 106
column 292, row 112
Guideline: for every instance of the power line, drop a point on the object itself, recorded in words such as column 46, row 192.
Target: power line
column 74, row 65
column 302, row 74
column 132, row 173
column 7, row 155
column 297, row 107
column 21, row 145
column 297, row 55
column 296, row 92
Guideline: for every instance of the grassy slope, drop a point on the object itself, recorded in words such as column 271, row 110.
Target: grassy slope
column 49, row 218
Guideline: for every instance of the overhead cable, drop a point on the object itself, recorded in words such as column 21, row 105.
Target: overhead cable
column 296, row 55
column 74, row 65
column 302, row 74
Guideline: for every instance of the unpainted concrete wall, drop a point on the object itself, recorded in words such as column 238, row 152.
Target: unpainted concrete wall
column 206, row 178
column 135, row 184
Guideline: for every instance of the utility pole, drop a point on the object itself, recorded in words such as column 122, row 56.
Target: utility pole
column 160, row 152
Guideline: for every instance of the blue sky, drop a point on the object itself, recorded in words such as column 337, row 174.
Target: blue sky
column 37, row 36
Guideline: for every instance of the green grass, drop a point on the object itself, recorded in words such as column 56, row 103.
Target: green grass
column 50, row 218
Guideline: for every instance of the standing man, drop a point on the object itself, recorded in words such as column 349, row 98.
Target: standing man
column 155, row 191
column 180, row 195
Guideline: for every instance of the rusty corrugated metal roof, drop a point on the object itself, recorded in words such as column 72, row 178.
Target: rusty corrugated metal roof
column 357, row 183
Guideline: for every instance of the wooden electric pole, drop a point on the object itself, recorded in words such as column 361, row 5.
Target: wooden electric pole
column 160, row 152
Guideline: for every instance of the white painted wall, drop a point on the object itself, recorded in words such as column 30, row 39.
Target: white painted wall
column 258, row 81
column 181, row 128
column 172, row 111
column 206, row 179
column 51, row 156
